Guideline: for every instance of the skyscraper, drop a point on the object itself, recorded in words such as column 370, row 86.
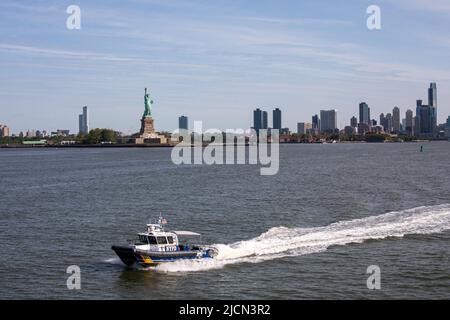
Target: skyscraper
column 386, row 122
column 409, row 122
column 80, row 124
column 426, row 115
column 396, row 120
column 388, row 127
column 183, row 123
column 364, row 113
column 432, row 103
column 328, row 120
column 277, row 119
column 86, row 119
column 83, row 121
column 315, row 122
column 257, row 120
column 353, row 122
column 382, row 120
column 265, row 120
column 424, row 120
column 432, row 95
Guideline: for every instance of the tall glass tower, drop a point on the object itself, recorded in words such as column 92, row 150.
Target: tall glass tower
column 83, row 121
column 328, row 120
column 257, row 120
column 364, row 113
column 315, row 122
column 432, row 104
column 396, row 120
column 183, row 123
column 277, row 119
column 432, row 95
column 265, row 120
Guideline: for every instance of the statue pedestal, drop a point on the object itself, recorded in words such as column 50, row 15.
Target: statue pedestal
column 147, row 128
column 148, row 133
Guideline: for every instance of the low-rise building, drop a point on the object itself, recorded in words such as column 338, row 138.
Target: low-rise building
column 349, row 130
column 302, row 128
column 377, row 129
column 285, row 131
column 363, row 128
column 30, row 134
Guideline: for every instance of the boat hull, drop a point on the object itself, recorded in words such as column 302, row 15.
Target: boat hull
column 129, row 256
column 126, row 255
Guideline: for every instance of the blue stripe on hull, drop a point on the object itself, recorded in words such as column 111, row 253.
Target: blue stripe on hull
column 180, row 258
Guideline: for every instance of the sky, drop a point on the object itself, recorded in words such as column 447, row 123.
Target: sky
column 217, row 60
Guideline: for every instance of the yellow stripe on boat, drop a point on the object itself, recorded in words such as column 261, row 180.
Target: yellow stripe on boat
column 147, row 260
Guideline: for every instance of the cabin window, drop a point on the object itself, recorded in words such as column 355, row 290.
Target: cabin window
column 142, row 239
column 162, row 240
column 152, row 240
column 170, row 240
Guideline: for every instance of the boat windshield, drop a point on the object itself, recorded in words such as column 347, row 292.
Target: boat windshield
column 162, row 240
column 147, row 239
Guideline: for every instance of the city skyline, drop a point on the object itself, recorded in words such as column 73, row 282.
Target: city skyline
column 424, row 124
column 216, row 61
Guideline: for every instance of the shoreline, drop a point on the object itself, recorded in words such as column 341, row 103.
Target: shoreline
column 84, row 146
column 106, row 146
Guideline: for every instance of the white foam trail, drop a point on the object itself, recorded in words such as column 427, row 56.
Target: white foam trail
column 281, row 242
column 115, row 260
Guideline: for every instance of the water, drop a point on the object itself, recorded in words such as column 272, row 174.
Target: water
column 309, row 232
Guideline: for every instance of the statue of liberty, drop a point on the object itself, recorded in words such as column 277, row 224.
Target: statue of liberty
column 148, row 105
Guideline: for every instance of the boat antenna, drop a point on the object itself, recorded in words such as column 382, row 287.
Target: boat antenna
column 160, row 221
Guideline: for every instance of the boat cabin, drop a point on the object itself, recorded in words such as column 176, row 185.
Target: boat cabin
column 157, row 239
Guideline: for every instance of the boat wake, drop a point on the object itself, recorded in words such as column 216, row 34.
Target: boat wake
column 280, row 242
column 114, row 260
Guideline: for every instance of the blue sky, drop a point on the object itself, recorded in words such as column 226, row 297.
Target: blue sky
column 217, row 60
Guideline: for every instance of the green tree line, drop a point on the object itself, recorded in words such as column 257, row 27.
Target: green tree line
column 97, row 136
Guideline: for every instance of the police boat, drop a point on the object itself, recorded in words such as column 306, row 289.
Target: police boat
column 157, row 245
